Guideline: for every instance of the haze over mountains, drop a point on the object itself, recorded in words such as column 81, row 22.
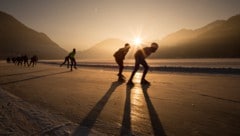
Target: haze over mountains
column 219, row 39
column 102, row 50
column 18, row 39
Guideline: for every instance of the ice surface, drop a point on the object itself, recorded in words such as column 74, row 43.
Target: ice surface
column 89, row 101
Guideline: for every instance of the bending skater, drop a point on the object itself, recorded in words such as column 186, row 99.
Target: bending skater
column 140, row 56
column 119, row 56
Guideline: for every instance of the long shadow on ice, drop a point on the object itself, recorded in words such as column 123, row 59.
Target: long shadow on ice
column 87, row 123
column 155, row 121
column 126, row 122
column 16, row 74
column 35, row 77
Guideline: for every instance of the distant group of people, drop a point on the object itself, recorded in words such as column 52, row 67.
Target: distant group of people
column 139, row 56
column 70, row 58
column 23, row 60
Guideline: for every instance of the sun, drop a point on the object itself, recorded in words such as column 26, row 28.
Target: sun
column 137, row 41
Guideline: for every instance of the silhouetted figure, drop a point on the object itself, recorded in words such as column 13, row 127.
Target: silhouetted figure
column 72, row 58
column 140, row 56
column 25, row 60
column 14, row 60
column 19, row 60
column 33, row 61
column 119, row 56
column 8, row 60
column 66, row 60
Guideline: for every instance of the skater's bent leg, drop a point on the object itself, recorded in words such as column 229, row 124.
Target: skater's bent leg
column 120, row 68
column 146, row 67
column 71, row 63
column 75, row 63
column 134, row 71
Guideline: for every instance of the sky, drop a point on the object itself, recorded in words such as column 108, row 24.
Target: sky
column 81, row 24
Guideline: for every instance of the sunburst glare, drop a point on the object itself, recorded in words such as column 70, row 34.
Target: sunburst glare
column 137, row 41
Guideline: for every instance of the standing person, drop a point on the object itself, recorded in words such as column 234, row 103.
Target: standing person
column 66, row 60
column 72, row 58
column 119, row 56
column 140, row 56
column 25, row 60
column 33, row 61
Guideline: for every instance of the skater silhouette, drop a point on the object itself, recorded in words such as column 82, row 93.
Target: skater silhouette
column 72, row 58
column 140, row 56
column 119, row 56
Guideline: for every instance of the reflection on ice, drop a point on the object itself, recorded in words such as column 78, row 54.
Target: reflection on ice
column 137, row 102
column 137, row 77
column 139, row 111
column 137, row 99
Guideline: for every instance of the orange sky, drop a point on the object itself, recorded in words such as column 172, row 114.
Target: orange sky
column 82, row 23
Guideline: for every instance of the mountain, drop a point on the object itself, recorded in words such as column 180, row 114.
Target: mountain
column 102, row 50
column 219, row 39
column 18, row 39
